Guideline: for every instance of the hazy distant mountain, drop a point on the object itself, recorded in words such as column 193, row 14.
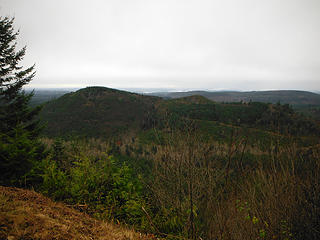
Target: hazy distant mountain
column 295, row 98
column 42, row 95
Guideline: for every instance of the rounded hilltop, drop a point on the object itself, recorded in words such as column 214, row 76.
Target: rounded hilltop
column 96, row 111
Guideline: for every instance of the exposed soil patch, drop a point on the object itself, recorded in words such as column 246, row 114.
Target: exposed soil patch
column 25, row 214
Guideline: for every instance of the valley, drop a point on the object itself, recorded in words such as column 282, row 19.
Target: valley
column 182, row 168
column 187, row 148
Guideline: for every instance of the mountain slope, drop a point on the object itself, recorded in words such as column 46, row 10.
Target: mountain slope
column 296, row 98
column 26, row 214
column 265, row 116
column 96, row 111
column 105, row 112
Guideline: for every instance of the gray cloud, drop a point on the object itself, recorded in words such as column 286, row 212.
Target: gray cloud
column 249, row 44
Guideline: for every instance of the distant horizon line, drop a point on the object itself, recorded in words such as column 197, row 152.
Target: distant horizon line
column 159, row 89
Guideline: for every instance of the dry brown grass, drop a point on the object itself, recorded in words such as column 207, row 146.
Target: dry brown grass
column 26, row 214
column 273, row 203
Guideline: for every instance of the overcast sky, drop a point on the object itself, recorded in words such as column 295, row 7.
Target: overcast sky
column 180, row 44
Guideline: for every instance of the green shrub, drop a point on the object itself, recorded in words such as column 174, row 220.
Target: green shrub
column 103, row 186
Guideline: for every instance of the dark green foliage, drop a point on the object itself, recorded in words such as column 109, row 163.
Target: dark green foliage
column 98, row 112
column 292, row 97
column 102, row 185
column 149, row 183
column 18, row 127
column 104, row 112
column 17, row 155
column 271, row 117
column 188, row 165
column 58, row 154
column 312, row 111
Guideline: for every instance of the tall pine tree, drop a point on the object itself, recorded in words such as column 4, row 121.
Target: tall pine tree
column 19, row 130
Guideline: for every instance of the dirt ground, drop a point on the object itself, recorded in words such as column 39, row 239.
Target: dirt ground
column 25, row 214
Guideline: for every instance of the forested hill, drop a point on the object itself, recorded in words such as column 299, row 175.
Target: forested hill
column 105, row 112
column 96, row 111
column 294, row 98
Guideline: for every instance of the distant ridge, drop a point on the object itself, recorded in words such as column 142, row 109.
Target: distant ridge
column 292, row 97
column 105, row 112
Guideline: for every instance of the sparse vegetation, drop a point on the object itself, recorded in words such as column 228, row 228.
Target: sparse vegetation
column 26, row 214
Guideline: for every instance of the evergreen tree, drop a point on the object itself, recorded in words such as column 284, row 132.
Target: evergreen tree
column 19, row 130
